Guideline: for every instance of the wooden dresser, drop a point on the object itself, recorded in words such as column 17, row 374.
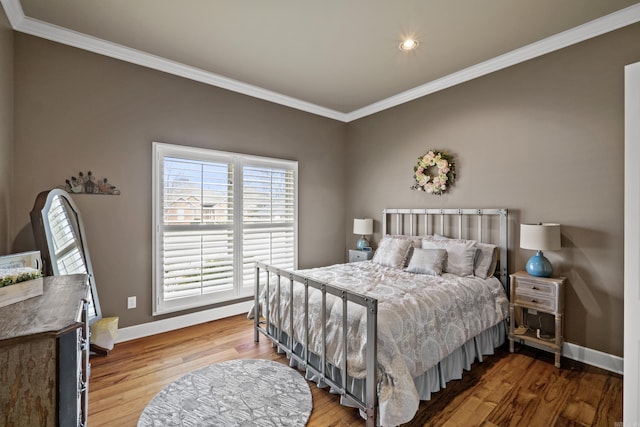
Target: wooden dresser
column 44, row 356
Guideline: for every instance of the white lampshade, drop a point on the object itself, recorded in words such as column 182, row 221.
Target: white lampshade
column 540, row 237
column 363, row 227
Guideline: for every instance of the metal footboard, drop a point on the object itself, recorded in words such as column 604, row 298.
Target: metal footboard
column 369, row 404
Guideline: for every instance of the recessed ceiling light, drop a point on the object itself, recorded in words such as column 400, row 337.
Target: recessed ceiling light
column 409, row 44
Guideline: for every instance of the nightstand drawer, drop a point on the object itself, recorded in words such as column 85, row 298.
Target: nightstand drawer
column 535, row 288
column 356, row 256
column 536, row 301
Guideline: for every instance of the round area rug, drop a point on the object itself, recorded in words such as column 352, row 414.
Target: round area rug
column 248, row 392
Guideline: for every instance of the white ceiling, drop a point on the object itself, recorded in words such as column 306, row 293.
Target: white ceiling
column 336, row 58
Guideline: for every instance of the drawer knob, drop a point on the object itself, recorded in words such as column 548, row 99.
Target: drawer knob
column 534, row 301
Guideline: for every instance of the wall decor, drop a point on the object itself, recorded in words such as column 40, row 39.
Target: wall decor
column 434, row 172
column 87, row 184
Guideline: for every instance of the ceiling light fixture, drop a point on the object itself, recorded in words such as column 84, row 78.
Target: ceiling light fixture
column 409, row 44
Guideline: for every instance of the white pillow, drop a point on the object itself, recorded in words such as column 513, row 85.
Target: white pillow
column 392, row 252
column 486, row 257
column 427, row 261
column 460, row 255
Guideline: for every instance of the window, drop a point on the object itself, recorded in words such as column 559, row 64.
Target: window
column 215, row 215
column 65, row 245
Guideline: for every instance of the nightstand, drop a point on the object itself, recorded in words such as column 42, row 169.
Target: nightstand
column 357, row 256
column 546, row 295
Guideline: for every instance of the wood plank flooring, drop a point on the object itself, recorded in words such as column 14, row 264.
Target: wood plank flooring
column 520, row 389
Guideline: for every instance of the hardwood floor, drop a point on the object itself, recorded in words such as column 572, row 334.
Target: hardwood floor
column 520, row 389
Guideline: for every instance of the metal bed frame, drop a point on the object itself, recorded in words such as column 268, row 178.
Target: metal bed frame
column 397, row 220
column 435, row 220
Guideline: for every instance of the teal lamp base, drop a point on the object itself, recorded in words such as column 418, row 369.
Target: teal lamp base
column 539, row 266
column 362, row 243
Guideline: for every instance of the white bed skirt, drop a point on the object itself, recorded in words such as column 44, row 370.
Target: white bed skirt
column 432, row 381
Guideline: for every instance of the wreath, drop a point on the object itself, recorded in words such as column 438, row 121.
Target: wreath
column 434, row 172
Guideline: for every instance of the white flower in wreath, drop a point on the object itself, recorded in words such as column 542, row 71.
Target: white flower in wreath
column 433, row 172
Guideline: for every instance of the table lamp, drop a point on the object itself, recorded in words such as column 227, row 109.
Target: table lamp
column 540, row 237
column 363, row 227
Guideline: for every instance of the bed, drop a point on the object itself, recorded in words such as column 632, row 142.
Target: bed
column 430, row 302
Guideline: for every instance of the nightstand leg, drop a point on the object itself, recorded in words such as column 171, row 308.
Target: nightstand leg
column 559, row 339
column 512, row 327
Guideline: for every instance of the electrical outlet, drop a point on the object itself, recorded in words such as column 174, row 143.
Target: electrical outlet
column 131, row 302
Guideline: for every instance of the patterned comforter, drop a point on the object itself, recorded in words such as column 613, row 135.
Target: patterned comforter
column 421, row 320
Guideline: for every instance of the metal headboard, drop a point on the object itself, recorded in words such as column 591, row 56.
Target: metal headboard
column 473, row 224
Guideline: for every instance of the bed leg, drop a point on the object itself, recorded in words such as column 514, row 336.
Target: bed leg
column 256, row 306
column 371, row 418
column 256, row 334
column 371, row 388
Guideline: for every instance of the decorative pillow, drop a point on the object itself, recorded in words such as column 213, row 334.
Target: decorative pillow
column 427, row 261
column 486, row 257
column 460, row 256
column 486, row 260
column 392, row 252
column 416, row 242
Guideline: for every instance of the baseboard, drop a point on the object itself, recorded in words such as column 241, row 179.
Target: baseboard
column 588, row 356
column 594, row 357
column 572, row 351
column 178, row 322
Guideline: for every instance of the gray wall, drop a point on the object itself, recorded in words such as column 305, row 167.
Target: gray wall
column 544, row 139
column 6, row 129
column 78, row 111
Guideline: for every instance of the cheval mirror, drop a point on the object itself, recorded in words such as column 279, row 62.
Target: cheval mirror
column 60, row 238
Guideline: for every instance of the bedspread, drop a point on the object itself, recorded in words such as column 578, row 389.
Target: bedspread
column 421, row 320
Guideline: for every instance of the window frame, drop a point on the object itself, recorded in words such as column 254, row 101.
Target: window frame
column 239, row 161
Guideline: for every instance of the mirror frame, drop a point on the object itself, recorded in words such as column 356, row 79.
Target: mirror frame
column 44, row 242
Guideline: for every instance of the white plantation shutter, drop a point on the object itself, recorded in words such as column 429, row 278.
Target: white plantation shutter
column 197, row 263
column 268, row 213
column 215, row 214
column 67, row 250
column 197, row 238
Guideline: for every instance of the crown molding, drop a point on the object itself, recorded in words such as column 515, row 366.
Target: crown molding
column 605, row 24
column 58, row 34
column 611, row 22
column 134, row 56
column 13, row 10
